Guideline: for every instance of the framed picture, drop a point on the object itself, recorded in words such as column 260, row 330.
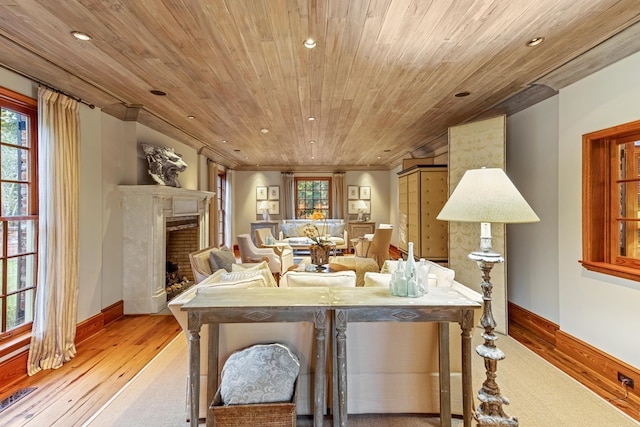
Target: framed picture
column 365, row 193
column 368, row 203
column 261, row 193
column 352, row 207
column 274, row 206
column 352, row 192
column 260, row 206
column 274, row 192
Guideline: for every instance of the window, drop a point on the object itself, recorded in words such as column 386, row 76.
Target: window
column 18, row 211
column 313, row 194
column 611, row 201
column 221, row 189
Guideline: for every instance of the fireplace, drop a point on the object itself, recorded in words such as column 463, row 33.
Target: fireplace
column 181, row 239
column 150, row 214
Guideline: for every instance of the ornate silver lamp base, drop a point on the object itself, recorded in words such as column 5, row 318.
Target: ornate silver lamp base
column 490, row 413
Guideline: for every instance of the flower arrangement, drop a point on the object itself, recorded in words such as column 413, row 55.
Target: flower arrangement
column 312, row 231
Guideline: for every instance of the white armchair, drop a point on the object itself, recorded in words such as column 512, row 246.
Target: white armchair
column 279, row 259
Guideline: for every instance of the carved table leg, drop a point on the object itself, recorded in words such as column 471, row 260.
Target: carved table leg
column 341, row 349
column 194, row 368
column 444, row 362
column 320, row 368
column 467, row 399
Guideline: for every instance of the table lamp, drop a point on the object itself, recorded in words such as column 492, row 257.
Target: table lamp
column 264, row 206
column 361, row 206
column 487, row 195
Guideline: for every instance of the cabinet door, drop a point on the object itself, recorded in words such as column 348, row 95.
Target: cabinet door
column 402, row 214
column 413, row 211
column 434, row 244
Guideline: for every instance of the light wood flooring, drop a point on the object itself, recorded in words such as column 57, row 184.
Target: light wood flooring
column 104, row 363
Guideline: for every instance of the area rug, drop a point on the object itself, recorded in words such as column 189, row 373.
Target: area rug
column 541, row 395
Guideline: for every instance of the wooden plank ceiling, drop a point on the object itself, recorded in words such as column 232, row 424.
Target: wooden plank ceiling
column 381, row 82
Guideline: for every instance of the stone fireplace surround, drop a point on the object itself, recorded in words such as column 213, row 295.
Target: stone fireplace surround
column 145, row 210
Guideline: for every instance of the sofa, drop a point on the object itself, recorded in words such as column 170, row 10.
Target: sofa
column 296, row 230
column 388, row 373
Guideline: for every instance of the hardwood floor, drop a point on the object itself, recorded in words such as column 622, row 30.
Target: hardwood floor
column 104, row 363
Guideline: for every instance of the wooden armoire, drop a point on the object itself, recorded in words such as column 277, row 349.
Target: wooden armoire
column 422, row 192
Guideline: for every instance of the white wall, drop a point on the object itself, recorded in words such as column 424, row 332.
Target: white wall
column 532, row 165
column 598, row 309
column 380, row 193
column 90, row 223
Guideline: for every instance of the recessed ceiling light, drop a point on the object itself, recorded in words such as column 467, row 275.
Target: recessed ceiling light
column 81, row 36
column 158, row 92
column 309, row 43
column 535, row 41
column 312, row 142
column 224, row 141
column 462, row 94
column 191, row 117
column 311, row 119
column 313, row 157
column 264, row 130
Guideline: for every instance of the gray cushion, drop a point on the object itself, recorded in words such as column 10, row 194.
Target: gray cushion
column 259, row 374
column 221, row 258
column 337, row 230
column 289, row 230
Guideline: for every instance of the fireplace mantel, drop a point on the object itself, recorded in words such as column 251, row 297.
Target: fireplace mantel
column 145, row 209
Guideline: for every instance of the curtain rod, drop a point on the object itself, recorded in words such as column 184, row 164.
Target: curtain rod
column 48, row 86
column 66, row 94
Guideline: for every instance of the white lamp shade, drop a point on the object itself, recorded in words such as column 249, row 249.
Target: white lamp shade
column 360, row 204
column 264, row 205
column 487, row 195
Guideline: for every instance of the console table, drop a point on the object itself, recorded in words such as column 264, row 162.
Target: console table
column 255, row 305
column 373, row 304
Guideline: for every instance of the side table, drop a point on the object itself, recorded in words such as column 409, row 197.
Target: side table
column 363, row 250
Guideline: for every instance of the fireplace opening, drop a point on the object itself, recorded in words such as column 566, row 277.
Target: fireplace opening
column 181, row 239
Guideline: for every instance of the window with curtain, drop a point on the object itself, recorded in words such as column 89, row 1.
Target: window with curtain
column 611, row 201
column 313, row 194
column 221, row 185
column 18, row 212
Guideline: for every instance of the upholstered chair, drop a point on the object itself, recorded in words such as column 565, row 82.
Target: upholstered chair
column 205, row 262
column 378, row 247
column 262, row 235
column 279, row 261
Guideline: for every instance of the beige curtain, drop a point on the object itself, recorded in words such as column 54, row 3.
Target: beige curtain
column 338, row 195
column 228, row 238
column 288, row 195
column 212, row 177
column 54, row 324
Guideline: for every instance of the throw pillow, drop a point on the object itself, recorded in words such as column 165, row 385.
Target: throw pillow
column 221, row 258
column 262, row 267
column 310, row 230
column 289, row 230
column 337, row 230
column 259, row 374
column 322, row 227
